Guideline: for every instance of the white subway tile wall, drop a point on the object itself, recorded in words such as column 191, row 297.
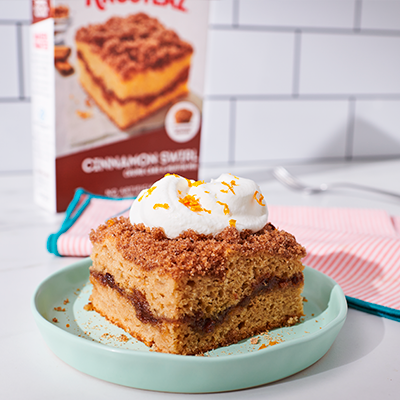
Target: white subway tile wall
column 26, row 89
column 15, row 137
column 215, row 144
column 295, row 13
column 287, row 81
column 15, row 118
column 314, row 129
column 306, row 80
column 15, row 10
column 349, row 64
column 9, row 78
column 376, row 130
column 247, row 62
column 381, row 15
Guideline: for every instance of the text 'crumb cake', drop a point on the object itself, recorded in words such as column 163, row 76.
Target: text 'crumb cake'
column 132, row 66
column 196, row 266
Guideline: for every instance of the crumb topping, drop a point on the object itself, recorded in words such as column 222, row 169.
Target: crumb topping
column 88, row 307
column 192, row 253
column 134, row 43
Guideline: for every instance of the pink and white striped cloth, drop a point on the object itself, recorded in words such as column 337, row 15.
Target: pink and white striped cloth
column 358, row 248
column 75, row 241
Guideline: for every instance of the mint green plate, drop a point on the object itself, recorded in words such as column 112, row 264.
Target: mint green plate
column 89, row 343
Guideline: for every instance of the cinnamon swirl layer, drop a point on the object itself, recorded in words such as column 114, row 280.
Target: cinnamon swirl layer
column 197, row 321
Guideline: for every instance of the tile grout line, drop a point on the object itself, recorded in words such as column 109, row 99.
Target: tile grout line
column 15, row 100
column 357, row 15
column 305, row 29
column 20, row 62
column 296, row 64
column 350, row 129
column 270, row 162
column 232, row 131
column 304, row 97
column 14, row 22
column 261, row 97
column 235, row 14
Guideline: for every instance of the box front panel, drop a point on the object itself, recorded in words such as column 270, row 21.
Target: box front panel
column 128, row 82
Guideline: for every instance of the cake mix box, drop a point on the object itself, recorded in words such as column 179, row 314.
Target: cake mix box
column 116, row 94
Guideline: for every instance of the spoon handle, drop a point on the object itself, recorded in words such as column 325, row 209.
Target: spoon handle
column 360, row 187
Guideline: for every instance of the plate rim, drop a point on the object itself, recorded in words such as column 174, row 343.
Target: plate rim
column 44, row 324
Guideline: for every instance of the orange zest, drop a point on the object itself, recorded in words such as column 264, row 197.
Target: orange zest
column 226, row 208
column 158, row 205
column 259, row 199
column 197, row 183
column 230, row 186
column 189, row 182
column 192, row 203
column 147, row 193
column 150, row 191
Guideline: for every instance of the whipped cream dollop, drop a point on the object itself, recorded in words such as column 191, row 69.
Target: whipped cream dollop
column 177, row 204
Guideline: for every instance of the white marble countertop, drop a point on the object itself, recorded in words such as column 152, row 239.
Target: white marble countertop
column 363, row 363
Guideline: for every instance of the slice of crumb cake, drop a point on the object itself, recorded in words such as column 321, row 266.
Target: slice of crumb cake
column 187, row 291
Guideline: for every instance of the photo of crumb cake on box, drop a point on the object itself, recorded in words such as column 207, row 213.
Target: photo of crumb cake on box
column 132, row 66
column 196, row 266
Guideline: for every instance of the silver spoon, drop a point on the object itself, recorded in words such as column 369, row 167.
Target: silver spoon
column 292, row 182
